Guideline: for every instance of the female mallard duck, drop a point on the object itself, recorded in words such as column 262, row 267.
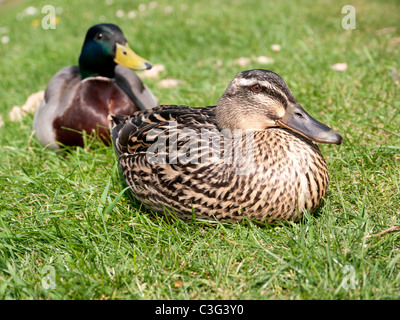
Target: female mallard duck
column 82, row 98
column 180, row 158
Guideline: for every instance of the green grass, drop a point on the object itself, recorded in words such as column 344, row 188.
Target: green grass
column 71, row 211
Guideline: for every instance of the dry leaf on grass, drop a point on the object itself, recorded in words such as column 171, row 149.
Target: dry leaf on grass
column 178, row 283
column 17, row 113
column 242, row 61
column 1, row 121
column 218, row 63
column 33, row 102
column 153, row 5
column 5, row 39
column 342, row 66
column 152, row 73
column 169, row 83
column 264, row 60
column 276, row 47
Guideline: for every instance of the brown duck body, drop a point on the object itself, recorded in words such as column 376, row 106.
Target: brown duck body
column 284, row 175
column 89, row 111
column 72, row 105
column 253, row 155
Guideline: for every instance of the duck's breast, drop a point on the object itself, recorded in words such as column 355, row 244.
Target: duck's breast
column 96, row 98
column 293, row 175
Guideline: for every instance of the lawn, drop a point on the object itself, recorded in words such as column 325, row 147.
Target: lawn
column 69, row 229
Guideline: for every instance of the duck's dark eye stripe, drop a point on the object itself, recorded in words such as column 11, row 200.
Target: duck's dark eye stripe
column 278, row 96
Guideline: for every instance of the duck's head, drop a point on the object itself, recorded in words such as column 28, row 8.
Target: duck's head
column 104, row 47
column 260, row 99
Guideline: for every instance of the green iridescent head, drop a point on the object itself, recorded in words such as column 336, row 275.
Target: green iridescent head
column 104, row 47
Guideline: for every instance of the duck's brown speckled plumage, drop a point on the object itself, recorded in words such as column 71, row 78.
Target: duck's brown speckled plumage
column 288, row 172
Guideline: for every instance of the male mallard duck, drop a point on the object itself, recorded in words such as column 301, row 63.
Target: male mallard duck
column 253, row 154
column 82, row 98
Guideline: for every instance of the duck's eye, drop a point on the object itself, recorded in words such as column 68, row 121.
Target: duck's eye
column 256, row 87
column 99, row 36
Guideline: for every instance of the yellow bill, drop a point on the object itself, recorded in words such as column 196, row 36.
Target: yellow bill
column 129, row 59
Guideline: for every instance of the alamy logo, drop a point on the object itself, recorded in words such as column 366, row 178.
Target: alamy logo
column 349, row 20
column 349, row 281
column 49, row 20
column 49, row 279
column 185, row 146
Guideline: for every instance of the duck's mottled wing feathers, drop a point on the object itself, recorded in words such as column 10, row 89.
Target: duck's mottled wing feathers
column 137, row 132
column 157, row 177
